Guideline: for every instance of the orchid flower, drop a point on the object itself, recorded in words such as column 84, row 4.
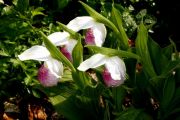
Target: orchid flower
column 50, row 71
column 95, row 35
column 96, row 32
column 114, row 71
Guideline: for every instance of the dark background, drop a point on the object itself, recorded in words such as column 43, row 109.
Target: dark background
column 167, row 13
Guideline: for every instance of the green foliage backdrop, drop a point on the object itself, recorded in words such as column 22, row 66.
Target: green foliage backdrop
column 151, row 91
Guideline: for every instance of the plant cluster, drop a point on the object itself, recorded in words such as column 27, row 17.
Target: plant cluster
column 95, row 66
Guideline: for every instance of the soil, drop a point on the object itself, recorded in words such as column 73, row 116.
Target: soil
column 31, row 108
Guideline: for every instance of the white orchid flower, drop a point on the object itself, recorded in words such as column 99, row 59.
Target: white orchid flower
column 96, row 32
column 64, row 40
column 51, row 71
column 114, row 72
column 1, row 2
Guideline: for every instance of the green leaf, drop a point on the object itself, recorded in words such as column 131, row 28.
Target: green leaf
column 99, row 17
column 37, row 11
column 117, row 20
column 155, row 87
column 170, row 67
column 94, row 92
column 167, row 51
column 79, row 108
column 7, row 10
column 142, row 50
column 58, row 94
column 177, row 74
column 133, row 114
column 81, row 78
column 55, row 53
column 168, row 92
column 118, row 97
column 62, row 4
column 112, row 52
column 22, row 5
column 175, row 101
column 68, row 109
column 77, row 54
column 157, row 57
column 73, row 34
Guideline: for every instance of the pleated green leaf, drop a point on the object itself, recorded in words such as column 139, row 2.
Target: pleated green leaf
column 112, row 52
column 168, row 92
column 142, row 50
column 133, row 114
column 157, row 57
column 117, row 20
column 81, row 79
column 77, row 54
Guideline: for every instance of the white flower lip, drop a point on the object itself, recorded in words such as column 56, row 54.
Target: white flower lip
column 55, row 67
column 114, row 65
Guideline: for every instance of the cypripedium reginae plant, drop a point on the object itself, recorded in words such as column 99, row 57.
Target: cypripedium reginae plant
column 114, row 72
column 52, row 69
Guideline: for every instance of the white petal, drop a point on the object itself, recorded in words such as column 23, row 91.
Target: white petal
column 99, row 32
column 59, row 38
column 36, row 52
column 55, row 67
column 1, row 2
column 80, row 23
column 93, row 62
column 70, row 45
column 116, row 67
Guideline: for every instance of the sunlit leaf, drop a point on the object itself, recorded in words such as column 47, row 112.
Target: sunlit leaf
column 37, row 11
column 77, row 54
column 117, row 20
column 142, row 50
column 113, row 52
